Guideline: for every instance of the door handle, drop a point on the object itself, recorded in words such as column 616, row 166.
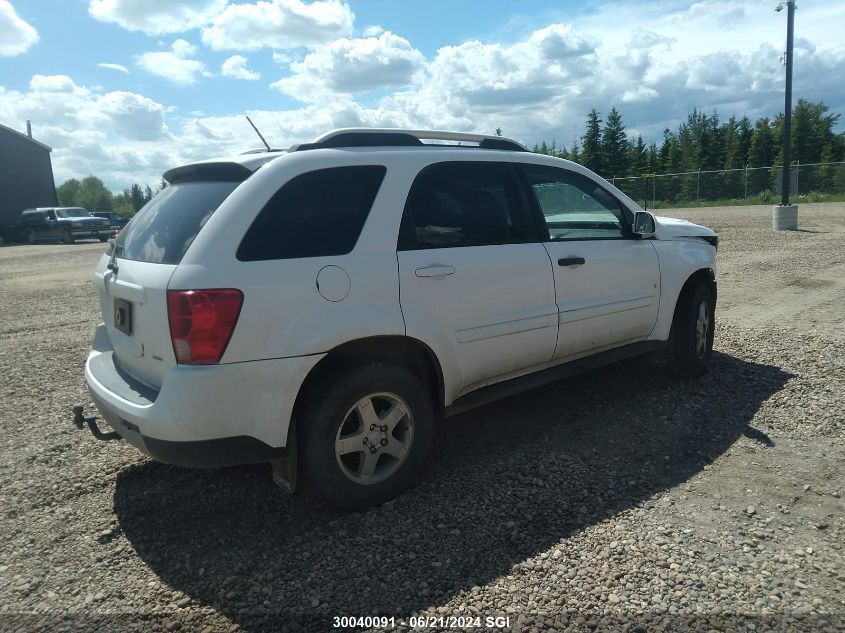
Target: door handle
column 434, row 271
column 571, row 261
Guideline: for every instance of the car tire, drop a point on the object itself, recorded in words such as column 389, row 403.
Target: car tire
column 67, row 237
column 366, row 435
column 31, row 237
column 692, row 332
column 103, row 238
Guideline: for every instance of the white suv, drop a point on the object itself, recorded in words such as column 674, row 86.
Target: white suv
column 329, row 302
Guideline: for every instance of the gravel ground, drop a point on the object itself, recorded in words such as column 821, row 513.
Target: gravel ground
column 617, row 500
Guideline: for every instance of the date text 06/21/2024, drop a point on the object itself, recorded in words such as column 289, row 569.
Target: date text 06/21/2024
column 423, row 622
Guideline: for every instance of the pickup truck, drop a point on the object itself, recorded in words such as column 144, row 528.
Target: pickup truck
column 116, row 220
column 66, row 224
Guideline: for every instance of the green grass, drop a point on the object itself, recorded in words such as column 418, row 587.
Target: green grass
column 767, row 197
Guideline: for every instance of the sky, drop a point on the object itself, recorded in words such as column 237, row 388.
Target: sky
column 125, row 89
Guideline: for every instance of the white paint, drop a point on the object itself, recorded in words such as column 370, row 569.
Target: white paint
column 333, row 283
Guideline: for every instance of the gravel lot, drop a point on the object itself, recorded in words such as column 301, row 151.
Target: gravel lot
column 620, row 499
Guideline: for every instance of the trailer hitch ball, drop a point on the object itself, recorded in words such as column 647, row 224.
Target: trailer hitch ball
column 80, row 420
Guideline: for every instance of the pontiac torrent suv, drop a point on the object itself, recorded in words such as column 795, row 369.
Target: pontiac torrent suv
column 318, row 308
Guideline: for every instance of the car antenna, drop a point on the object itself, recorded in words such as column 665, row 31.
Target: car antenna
column 257, row 132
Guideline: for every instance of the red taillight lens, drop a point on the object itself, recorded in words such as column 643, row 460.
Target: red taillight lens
column 202, row 322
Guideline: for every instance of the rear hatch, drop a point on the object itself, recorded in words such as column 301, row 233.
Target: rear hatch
column 132, row 279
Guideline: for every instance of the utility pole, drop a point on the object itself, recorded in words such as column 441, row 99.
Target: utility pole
column 785, row 216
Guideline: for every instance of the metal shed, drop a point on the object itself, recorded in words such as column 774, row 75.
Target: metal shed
column 26, row 175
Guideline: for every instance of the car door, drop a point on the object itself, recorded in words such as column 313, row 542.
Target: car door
column 475, row 283
column 51, row 230
column 607, row 282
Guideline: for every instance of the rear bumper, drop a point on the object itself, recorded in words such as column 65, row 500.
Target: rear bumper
column 201, row 416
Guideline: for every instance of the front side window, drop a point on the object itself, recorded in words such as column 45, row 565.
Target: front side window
column 316, row 214
column 73, row 212
column 464, row 204
column 575, row 207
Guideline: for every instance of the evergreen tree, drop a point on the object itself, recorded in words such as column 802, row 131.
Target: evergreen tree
column 614, row 146
column 148, row 194
column 637, row 157
column 761, row 154
column 732, row 182
column 744, row 131
column 575, row 152
column 136, row 194
column 591, row 155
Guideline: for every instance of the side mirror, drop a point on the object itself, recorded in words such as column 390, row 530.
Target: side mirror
column 644, row 225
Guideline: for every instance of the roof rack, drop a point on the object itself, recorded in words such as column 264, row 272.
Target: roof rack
column 398, row 137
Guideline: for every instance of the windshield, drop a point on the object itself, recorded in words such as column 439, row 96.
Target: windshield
column 73, row 212
column 163, row 230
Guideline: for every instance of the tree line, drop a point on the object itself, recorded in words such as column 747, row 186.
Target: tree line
column 705, row 142
column 92, row 194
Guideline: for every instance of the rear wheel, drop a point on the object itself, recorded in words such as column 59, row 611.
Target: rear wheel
column 366, row 436
column 692, row 332
column 67, row 237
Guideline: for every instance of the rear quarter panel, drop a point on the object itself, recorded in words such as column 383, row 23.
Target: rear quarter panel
column 284, row 314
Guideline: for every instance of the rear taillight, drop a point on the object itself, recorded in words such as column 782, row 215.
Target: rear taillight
column 202, row 322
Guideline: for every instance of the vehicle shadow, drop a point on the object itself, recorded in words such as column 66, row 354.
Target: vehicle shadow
column 507, row 481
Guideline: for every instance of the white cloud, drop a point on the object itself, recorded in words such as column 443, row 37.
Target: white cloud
column 52, row 83
column 353, row 66
column 640, row 93
column 278, row 24
column 16, row 35
column 374, row 30
column 133, row 116
column 110, row 134
column 154, row 17
column 282, row 59
column 118, row 67
column 725, row 14
column 236, row 68
column 176, row 65
column 540, row 86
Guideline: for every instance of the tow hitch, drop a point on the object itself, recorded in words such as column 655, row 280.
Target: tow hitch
column 79, row 419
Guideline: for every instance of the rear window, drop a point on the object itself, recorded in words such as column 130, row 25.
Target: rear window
column 319, row 213
column 163, row 230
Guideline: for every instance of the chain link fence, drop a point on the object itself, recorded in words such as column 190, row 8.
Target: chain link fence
column 811, row 182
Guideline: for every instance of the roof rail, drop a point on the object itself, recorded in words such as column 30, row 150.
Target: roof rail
column 398, row 137
column 261, row 151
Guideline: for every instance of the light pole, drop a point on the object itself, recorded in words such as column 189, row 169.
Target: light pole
column 785, row 215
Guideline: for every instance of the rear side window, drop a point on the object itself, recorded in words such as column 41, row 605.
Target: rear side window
column 163, row 230
column 316, row 214
column 457, row 204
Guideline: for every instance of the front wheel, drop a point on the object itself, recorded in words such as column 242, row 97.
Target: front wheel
column 103, row 238
column 692, row 332
column 366, row 436
column 67, row 237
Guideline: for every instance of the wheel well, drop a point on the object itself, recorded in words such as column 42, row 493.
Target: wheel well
column 702, row 275
column 401, row 350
